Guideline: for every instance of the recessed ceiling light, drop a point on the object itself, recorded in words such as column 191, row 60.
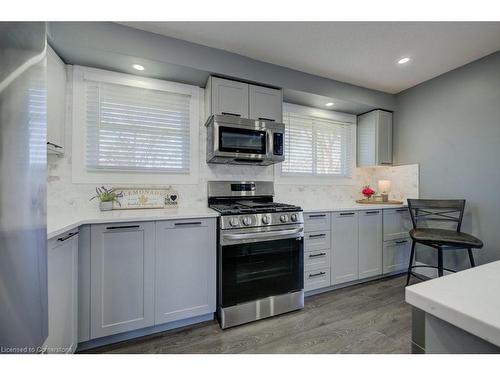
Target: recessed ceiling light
column 138, row 67
column 404, row 60
column 329, row 104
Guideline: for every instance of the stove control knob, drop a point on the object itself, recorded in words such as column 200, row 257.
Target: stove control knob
column 266, row 219
column 234, row 222
column 284, row 218
column 247, row 220
column 294, row 217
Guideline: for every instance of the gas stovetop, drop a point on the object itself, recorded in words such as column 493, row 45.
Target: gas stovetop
column 253, row 207
column 249, row 204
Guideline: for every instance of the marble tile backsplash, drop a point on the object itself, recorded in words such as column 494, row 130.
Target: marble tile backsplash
column 64, row 196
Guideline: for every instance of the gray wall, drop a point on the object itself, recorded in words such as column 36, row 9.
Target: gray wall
column 112, row 46
column 450, row 125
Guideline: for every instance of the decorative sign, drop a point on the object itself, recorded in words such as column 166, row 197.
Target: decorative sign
column 171, row 199
column 139, row 198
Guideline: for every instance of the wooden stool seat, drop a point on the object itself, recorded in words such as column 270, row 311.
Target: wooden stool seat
column 445, row 237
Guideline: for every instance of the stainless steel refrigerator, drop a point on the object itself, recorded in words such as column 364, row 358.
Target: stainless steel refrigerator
column 23, row 167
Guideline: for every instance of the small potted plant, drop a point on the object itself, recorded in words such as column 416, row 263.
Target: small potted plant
column 106, row 198
column 367, row 191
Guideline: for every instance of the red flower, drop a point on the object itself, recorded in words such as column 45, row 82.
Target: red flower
column 367, row 191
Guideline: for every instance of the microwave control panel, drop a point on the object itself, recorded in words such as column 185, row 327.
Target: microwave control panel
column 278, row 144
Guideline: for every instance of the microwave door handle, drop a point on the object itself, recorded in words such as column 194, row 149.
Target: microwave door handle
column 262, row 235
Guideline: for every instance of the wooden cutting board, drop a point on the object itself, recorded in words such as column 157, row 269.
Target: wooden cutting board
column 366, row 201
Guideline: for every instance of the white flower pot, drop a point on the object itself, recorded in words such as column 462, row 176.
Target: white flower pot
column 106, row 206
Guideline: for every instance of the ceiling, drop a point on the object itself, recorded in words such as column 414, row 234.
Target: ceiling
column 360, row 53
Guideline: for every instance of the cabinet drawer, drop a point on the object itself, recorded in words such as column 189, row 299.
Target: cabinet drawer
column 185, row 223
column 396, row 255
column 317, row 240
column 316, row 221
column 314, row 260
column 397, row 223
column 316, row 279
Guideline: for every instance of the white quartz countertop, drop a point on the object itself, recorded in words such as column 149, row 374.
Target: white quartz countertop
column 348, row 206
column 469, row 300
column 59, row 223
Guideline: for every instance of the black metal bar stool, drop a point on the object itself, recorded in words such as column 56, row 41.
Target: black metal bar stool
column 425, row 210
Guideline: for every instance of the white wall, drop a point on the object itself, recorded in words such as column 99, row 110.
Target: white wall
column 64, row 196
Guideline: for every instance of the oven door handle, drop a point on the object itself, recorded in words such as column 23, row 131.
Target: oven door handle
column 259, row 235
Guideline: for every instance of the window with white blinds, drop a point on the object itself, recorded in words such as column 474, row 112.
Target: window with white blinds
column 136, row 129
column 317, row 147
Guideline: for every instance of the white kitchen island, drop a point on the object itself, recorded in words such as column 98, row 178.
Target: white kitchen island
column 458, row 313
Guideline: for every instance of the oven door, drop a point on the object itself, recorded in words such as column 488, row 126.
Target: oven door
column 251, row 270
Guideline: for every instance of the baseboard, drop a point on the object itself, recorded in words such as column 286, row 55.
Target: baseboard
column 310, row 293
column 113, row 339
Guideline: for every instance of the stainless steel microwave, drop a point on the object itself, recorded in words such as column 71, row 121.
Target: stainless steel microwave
column 236, row 140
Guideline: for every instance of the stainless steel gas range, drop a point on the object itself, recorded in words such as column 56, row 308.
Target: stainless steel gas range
column 260, row 260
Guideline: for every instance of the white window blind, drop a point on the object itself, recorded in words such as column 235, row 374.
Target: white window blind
column 317, row 147
column 136, row 129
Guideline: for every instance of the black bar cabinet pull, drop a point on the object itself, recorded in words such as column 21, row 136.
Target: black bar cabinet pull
column 316, row 274
column 123, row 227
column 317, row 215
column 231, row 114
column 346, row 213
column 317, row 235
column 53, row 144
column 316, row 255
column 266, row 119
column 401, row 210
column 188, row 223
column 372, row 212
column 402, row 241
column 62, row 239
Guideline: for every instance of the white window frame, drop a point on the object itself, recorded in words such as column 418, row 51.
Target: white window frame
column 320, row 180
column 80, row 173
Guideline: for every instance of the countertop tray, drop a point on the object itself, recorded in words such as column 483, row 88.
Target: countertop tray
column 366, row 201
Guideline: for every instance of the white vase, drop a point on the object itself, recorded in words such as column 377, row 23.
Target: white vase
column 106, row 206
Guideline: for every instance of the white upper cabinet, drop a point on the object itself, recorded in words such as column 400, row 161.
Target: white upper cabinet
column 375, row 138
column 228, row 97
column 266, row 103
column 56, row 102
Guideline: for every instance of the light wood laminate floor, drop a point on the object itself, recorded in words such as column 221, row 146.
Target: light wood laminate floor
column 366, row 318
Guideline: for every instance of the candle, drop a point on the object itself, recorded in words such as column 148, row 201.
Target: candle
column 383, row 187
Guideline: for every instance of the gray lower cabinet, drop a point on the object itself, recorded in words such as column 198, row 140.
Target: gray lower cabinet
column 122, row 277
column 397, row 223
column 396, row 255
column 316, row 221
column 317, row 250
column 185, row 269
column 316, row 279
column 62, row 273
column 344, row 247
column 370, row 243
